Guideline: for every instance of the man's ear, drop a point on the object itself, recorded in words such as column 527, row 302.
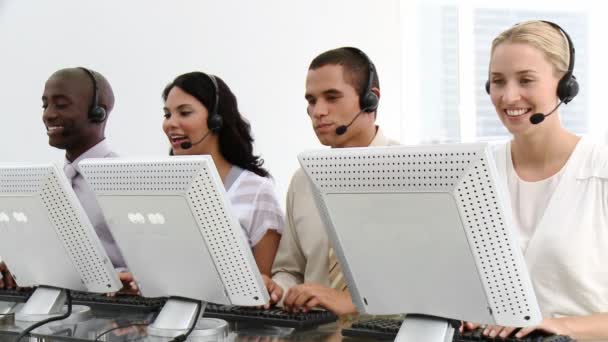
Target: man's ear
column 376, row 91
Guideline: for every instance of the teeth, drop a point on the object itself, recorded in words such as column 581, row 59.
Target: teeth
column 516, row 112
column 54, row 128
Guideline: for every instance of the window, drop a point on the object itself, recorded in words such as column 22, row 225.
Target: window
column 452, row 51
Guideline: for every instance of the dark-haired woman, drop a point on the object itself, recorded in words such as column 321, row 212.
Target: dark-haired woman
column 202, row 117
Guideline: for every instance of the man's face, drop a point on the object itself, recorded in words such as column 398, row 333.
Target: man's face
column 332, row 102
column 66, row 101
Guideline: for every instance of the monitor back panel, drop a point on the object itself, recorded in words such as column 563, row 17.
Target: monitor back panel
column 45, row 235
column 175, row 228
column 421, row 230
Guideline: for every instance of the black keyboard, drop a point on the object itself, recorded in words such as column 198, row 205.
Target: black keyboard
column 95, row 301
column 14, row 295
column 387, row 329
column 272, row 316
column 118, row 302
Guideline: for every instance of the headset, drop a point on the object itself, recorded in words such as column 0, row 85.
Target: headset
column 96, row 114
column 215, row 122
column 568, row 87
column 368, row 100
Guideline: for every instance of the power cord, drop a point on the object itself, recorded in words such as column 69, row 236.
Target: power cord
column 48, row 320
column 184, row 336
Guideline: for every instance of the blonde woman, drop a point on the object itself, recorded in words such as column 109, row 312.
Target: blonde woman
column 558, row 182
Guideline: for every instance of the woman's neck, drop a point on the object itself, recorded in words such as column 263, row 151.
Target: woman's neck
column 542, row 155
column 222, row 165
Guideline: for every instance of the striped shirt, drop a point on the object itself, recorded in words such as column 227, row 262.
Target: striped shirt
column 255, row 203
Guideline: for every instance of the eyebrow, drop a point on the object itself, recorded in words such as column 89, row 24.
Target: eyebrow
column 56, row 97
column 521, row 72
column 180, row 107
column 331, row 91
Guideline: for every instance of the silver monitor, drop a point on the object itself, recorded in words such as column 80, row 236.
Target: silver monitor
column 424, row 230
column 174, row 224
column 47, row 240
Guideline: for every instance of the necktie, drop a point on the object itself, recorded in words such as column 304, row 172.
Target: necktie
column 336, row 278
column 70, row 172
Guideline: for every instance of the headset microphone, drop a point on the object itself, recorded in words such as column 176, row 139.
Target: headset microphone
column 540, row 117
column 342, row 129
column 187, row 145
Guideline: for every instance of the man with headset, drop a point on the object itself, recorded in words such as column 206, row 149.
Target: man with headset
column 342, row 91
column 76, row 103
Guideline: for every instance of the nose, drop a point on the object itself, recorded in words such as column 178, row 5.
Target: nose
column 318, row 110
column 49, row 115
column 511, row 93
column 170, row 123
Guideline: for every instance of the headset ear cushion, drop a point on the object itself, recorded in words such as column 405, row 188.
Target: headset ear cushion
column 488, row 87
column 370, row 102
column 97, row 114
column 215, row 123
column 567, row 89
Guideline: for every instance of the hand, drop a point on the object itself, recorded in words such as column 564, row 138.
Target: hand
column 467, row 326
column 308, row 296
column 7, row 280
column 555, row 326
column 129, row 286
column 274, row 290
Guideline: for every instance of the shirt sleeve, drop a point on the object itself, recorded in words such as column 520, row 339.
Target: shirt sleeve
column 289, row 264
column 267, row 213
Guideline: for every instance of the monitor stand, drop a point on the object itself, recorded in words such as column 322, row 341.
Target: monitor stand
column 177, row 316
column 425, row 328
column 47, row 302
column 6, row 308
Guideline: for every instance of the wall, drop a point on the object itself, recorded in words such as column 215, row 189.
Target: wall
column 260, row 48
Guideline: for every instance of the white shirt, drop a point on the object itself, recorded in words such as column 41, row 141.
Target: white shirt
column 255, row 203
column 528, row 200
column 89, row 201
column 567, row 254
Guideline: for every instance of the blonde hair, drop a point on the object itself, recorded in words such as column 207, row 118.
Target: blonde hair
column 543, row 36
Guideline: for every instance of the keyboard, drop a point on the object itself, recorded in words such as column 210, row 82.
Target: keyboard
column 118, row 302
column 95, row 301
column 273, row 316
column 387, row 329
column 131, row 303
column 15, row 295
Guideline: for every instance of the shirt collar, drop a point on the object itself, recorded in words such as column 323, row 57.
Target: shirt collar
column 100, row 150
column 379, row 139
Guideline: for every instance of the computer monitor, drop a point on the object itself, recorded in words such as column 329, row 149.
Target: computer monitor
column 47, row 240
column 174, row 224
column 424, row 230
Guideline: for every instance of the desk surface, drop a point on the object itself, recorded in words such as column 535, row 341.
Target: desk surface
column 102, row 321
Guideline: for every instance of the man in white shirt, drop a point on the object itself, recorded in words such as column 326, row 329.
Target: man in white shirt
column 77, row 102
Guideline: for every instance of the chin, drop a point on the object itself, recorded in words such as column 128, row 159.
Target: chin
column 60, row 144
column 180, row 152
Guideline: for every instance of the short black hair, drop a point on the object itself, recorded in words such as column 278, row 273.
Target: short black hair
column 355, row 63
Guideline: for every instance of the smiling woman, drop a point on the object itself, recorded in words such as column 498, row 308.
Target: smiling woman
column 202, row 117
column 558, row 182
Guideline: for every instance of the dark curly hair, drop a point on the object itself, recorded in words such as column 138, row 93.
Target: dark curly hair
column 236, row 142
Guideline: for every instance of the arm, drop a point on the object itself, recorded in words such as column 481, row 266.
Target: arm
column 265, row 251
column 290, row 263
